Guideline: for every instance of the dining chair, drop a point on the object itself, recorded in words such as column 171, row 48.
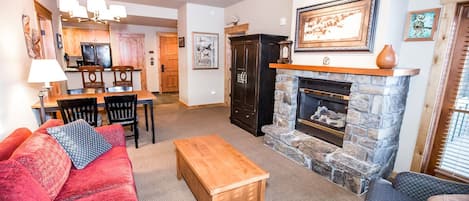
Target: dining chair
column 123, row 75
column 122, row 110
column 81, row 108
column 92, row 76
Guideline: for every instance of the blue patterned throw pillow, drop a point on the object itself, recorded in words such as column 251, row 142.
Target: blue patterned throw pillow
column 81, row 142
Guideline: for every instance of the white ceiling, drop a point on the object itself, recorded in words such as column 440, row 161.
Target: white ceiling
column 148, row 21
column 178, row 3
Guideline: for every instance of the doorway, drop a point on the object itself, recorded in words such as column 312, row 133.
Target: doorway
column 132, row 53
column 237, row 30
column 169, row 73
column 47, row 46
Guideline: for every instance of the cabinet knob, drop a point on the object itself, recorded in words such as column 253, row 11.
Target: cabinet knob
column 247, row 116
column 236, row 111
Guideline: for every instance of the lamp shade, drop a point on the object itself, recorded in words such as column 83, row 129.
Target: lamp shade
column 46, row 70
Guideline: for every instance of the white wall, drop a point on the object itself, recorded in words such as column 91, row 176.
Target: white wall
column 418, row 55
column 389, row 30
column 18, row 95
column 182, row 56
column 152, row 43
column 203, row 86
column 263, row 16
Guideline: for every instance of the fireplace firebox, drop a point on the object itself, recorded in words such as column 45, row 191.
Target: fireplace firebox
column 322, row 109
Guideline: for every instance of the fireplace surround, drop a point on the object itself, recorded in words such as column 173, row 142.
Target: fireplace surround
column 374, row 115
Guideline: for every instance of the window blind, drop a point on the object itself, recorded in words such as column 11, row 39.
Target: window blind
column 452, row 153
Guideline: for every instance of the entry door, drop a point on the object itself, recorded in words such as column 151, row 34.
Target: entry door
column 132, row 53
column 169, row 63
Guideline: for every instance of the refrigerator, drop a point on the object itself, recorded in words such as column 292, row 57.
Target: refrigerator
column 96, row 54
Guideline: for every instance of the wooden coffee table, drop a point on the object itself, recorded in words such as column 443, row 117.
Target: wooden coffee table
column 214, row 170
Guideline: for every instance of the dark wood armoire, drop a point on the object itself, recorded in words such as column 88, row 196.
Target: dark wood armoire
column 252, row 81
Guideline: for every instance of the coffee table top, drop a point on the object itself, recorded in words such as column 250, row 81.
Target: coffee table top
column 218, row 165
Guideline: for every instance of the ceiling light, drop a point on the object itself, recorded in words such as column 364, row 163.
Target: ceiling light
column 98, row 8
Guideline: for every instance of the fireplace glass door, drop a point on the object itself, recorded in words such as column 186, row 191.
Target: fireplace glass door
column 322, row 109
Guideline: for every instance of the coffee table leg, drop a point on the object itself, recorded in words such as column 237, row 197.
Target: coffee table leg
column 262, row 190
column 178, row 166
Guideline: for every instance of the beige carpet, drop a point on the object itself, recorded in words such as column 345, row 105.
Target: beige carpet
column 155, row 164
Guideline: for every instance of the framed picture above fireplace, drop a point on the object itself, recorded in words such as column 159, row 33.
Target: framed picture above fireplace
column 339, row 25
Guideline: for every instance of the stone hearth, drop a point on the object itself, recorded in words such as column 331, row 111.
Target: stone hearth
column 373, row 123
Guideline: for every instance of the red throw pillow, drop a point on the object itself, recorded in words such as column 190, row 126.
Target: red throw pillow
column 46, row 161
column 17, row 183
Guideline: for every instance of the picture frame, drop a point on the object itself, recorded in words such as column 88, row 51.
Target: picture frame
column 205, row 50
column 421, row 25
column 181, row 42
column 59, row 41
column 338, row 25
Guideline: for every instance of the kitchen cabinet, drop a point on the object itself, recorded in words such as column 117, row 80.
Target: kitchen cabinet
column 72, row 37
column 252, row 81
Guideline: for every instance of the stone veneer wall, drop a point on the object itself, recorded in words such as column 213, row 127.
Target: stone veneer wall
column 374, row 119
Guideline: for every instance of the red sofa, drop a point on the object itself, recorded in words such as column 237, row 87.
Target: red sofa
column 33, row 166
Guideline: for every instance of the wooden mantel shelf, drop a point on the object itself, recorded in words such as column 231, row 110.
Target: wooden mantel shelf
column 350, row 70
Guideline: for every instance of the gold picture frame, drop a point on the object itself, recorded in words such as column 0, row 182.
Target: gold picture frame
column 340, row 25
column 421, row 25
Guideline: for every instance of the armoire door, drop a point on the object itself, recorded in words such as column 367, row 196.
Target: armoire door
column 251, row 61
column 238, row 73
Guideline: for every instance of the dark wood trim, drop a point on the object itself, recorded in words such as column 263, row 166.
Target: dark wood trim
column 350, row 70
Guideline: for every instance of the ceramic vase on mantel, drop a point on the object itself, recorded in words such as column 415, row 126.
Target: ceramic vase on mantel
column 387, row 58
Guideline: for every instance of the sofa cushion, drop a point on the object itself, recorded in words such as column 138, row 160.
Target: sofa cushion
column 10, row 143
column 45, row 160
column 81, row 142
column 17, row 183
column 109, row 171
column 122, row 193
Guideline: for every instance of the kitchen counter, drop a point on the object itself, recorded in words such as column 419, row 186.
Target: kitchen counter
column 74, row 69
column 74, row 80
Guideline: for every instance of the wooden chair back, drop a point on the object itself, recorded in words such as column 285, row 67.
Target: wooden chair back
column 82, row 108
column 123, row 110
column 92, row 76
column 122, row 75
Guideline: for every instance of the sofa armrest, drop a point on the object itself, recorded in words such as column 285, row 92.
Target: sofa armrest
column 422, row 186
column 382, row 190
column 48, row 124
column 114, row 134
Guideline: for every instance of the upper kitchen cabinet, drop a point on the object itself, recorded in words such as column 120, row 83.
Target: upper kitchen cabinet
column 72, row 37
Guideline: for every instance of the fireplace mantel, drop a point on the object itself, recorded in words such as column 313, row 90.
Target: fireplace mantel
column 350, row 70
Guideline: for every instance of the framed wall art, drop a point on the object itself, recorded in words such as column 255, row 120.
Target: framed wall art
column 339, row 25
column 205, row 49
column 421, row 25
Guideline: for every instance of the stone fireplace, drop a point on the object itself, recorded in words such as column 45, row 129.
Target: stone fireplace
column 373, row 113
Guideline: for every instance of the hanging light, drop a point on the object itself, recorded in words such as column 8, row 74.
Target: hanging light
column 98, row 8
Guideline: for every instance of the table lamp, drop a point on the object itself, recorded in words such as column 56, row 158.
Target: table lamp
column 45, row 70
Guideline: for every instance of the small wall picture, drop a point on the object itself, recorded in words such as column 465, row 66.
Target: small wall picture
column 181, row 42
column 421, row 25
column 205, row 50
column 59, row 41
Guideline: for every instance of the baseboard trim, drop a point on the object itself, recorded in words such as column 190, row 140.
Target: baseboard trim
column 202, row 106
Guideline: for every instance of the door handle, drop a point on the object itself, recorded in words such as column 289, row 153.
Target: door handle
column 162, row 67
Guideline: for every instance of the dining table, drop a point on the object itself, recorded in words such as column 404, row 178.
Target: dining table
column 144, row 97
